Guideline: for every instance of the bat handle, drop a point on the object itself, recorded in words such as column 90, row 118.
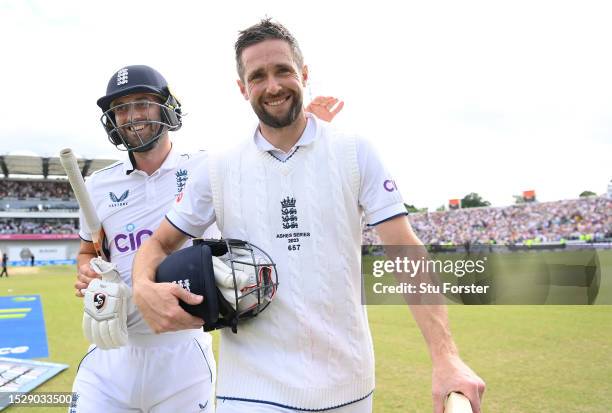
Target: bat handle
column 98, row 239
column 457, row 403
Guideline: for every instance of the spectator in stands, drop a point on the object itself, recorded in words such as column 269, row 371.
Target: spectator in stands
column 28, row 189
column 38, row 226
column 546, row 222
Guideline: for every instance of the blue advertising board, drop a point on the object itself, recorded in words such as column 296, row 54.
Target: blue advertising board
column 22, row 327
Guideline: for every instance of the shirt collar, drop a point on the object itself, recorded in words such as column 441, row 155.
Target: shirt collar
column 308, row 136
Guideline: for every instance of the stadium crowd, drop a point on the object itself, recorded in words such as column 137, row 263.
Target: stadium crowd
column 578, row 219
column 38, row 226
column 25, row 189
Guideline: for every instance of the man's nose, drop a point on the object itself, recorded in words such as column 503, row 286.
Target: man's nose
column 273, row 86
column 137, row 112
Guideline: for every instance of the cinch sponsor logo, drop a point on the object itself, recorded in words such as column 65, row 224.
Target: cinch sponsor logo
column 389, row 185
column 132, row 240
column 13, row 350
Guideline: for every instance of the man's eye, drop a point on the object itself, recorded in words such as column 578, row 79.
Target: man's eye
column 142, row 105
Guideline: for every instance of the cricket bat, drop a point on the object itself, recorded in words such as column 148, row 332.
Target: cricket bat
column 457, row 403
column 69, row 162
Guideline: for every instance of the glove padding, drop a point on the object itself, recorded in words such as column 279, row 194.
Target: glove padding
column 106, row 306
column 246, row 281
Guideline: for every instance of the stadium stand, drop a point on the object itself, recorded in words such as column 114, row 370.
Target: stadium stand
column 38, row 211
column 40, row 226
column 585, row 219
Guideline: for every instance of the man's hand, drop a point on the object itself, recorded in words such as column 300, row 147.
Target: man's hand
column 85, row 275
column 323, row 107
column 451, row 374
column 158, row 303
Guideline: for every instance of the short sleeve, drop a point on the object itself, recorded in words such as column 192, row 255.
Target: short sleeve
column 193, row 211
column 378, row 194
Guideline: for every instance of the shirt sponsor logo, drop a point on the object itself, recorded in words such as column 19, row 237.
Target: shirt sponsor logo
column 389, row 185
column 132, row 240
column 118, row 200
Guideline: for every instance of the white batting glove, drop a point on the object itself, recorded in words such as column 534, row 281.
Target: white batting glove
column 106, row 305
column 246, row 280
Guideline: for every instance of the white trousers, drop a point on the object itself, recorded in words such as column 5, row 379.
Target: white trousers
column 173, row 372
column 235, row 406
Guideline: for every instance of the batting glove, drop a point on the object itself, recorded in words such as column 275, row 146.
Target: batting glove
column 246, row 281
column 106, row 306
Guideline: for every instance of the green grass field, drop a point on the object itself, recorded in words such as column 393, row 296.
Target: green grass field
column 533, row 358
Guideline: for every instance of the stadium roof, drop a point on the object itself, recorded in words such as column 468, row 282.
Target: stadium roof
column 45, row 166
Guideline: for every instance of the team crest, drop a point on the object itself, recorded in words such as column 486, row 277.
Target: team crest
column 99, row 301
column 122, row 76
column 289, row 213
column 184, row 284
column 181, row 181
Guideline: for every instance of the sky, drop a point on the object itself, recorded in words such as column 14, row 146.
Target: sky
column 457, row 97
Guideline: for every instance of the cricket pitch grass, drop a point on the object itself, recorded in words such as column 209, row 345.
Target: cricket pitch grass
column 533, row 358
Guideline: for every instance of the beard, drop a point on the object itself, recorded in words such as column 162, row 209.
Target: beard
column 279, row 121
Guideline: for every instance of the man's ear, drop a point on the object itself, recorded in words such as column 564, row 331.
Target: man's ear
column 304, row 75
column 243, row 89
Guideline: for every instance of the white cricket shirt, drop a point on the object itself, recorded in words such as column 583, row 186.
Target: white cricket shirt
column 132, row 204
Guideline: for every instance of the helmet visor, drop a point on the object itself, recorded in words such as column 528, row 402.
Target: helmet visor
column 136, row 124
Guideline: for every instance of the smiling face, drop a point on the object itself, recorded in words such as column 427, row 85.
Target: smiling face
column 272, row 82
column 137, row 117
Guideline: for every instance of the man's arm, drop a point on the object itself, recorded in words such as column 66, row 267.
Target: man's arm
column 84, row 272
column 158, row 302
column 450, row 373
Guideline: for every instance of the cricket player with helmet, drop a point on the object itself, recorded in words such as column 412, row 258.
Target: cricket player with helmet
column 128, row 367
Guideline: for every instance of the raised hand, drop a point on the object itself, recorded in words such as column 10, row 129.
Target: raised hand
column 325, row 107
